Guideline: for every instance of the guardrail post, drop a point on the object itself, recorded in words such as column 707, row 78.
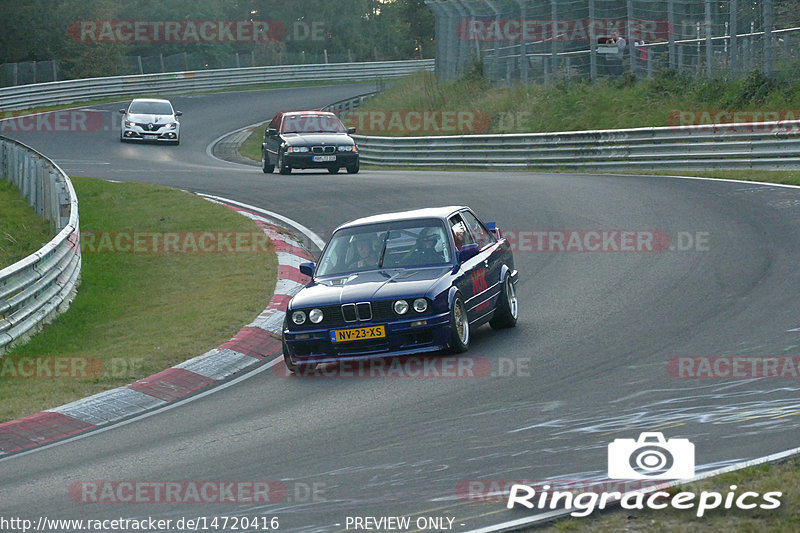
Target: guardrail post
column 767, row 68
column 554, row 43
column 592, row 44
column 709, row 42
column 734, row 41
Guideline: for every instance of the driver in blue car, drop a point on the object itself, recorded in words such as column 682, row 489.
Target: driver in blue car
column 425, row 252
column 365, row 257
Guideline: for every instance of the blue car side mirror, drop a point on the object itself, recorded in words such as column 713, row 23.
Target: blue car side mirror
column 492, row 226
column 308, row 269
column 468, row 251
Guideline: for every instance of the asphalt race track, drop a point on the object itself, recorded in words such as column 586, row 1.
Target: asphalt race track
column 587, row 363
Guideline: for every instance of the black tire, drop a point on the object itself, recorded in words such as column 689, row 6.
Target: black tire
column 505, row 315
column 459, row 326
column 266, row 168
column 283, row 167
column 333, row 170
column 352, row 169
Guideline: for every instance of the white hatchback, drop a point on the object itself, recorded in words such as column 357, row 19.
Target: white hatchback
column 150, row 119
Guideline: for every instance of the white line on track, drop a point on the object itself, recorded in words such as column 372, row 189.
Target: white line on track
column 148, row 414
column 318, row 242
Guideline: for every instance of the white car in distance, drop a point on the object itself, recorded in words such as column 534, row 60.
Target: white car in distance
column 150, row 119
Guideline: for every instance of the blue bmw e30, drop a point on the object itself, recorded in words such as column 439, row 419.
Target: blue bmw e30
column 401, row 283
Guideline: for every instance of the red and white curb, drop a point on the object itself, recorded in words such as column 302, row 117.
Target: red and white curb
column 254, row 342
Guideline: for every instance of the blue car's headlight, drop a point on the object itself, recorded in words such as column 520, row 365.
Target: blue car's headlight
column 400, row 307
column 420, row 305
column 315, row 316
column 299, row 317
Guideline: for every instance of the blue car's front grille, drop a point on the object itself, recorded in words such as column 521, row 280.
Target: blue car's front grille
column 351, row 314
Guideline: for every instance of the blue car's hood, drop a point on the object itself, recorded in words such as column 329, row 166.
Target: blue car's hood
column 369, row 286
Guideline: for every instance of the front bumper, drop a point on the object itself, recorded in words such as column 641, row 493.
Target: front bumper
column 306, row 160
column 136, row 133
column 315, row 346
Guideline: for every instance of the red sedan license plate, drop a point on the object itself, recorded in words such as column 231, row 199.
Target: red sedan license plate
column 358, row 334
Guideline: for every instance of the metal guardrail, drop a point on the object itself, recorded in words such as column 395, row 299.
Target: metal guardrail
column 64, row 92
column 764, row 145
column 34, row 290
column 349, row 104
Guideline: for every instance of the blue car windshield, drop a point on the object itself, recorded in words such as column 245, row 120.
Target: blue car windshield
column 401, row 244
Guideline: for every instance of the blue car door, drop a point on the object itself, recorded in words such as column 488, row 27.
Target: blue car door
column 492, row 256
column 472, row 282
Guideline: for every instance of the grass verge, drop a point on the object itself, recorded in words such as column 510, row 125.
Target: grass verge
column 136, row 314
column 251, row 147
column 22, row 231
column 782, row 477
column 571, row 105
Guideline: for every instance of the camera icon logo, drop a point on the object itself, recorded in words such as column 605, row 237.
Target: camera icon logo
column 650, row 457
